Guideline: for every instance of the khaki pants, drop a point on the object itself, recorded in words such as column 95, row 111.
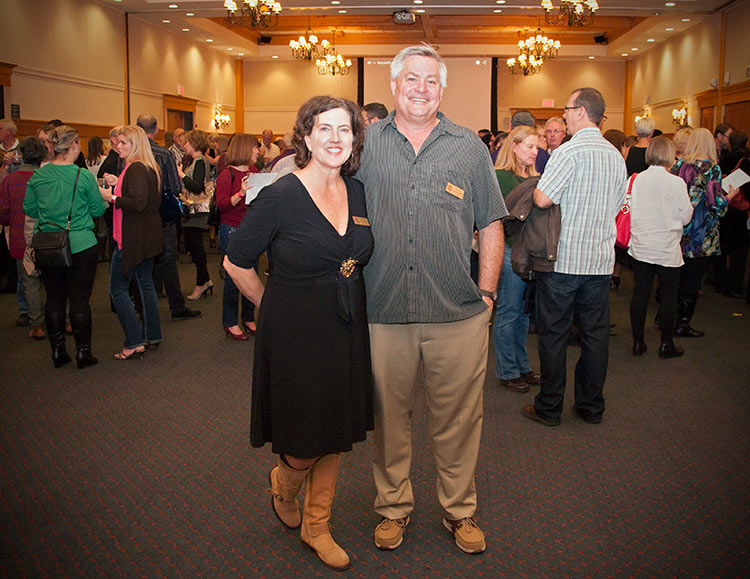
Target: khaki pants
column 452, row 358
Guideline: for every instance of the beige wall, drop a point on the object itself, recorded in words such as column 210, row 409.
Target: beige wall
column 737, row 58
column 68, row 65
column 274, row 90
column 160, row 61
column 557, row 79
column 676, row 70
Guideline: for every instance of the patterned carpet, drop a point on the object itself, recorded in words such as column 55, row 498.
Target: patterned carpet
column 143, row 468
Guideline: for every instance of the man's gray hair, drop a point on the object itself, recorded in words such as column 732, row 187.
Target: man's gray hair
column 397, row 64
column 8, row 124
column 522, row 119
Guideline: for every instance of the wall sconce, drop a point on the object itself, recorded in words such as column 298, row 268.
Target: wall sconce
column 646, row 112
column 679, row 115
column 220, row 120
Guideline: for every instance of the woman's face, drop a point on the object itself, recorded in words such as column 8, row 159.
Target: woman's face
column 331, row 138
column 254, row 155
column 526, row 151
column 189, row 149
column 124, row 147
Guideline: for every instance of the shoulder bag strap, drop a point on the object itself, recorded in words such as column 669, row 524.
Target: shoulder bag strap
column 626, row 203
column 75, row 186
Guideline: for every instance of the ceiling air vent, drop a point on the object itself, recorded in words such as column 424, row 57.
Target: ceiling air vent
column 404, row 17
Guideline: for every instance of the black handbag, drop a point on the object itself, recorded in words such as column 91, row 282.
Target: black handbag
column 52, row 248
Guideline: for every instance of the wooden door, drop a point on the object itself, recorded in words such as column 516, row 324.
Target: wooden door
column 177, row 120
column 707, row 118
column 738, row 115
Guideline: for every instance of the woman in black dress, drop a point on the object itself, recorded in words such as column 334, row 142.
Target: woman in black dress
column 312, row 388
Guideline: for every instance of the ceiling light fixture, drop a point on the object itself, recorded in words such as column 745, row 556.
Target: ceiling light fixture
column 576, row 12
column 333, row 63
column 532, row 53
column 252, row 12
column 220, row 120
column 679, row 115
column 307, row 47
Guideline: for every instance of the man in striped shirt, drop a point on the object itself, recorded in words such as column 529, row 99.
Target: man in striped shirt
column 428, row 181
column 586, row 176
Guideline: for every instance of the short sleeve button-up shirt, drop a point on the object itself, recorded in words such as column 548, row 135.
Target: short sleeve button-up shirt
column 586, row 176
column 423, row 208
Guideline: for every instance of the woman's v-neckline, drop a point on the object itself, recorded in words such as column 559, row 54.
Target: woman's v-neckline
column 332, row 226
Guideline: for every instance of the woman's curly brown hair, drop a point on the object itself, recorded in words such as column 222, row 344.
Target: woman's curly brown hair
column 306, row 117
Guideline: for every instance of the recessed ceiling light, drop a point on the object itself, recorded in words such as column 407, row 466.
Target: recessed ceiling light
column 624, row 54
column 342, row 11
column 186, row 30
column 209, row 39
column 499, row 1
column 418, row 1
column 118, row 0
column 670, row 29
column 420, row 11
column 275, row 56
column 240, row 54
column 669, row 4
column 497, row 11
column 634, row 49
column 173, row 6
column 592, row 57
column 166, row 21
column 651, row 40
column 686, row 19
column 335, row 2
column 230, row 48
column 189, row 14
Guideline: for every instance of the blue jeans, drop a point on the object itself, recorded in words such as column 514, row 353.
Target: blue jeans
column 560, row 297
column 135, row 335
column 231, row 293
column 511, row 327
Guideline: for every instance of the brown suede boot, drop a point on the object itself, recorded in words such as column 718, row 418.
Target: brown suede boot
column 285, row 483
column 316, row 532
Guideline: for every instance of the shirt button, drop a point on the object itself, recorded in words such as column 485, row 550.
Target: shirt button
column 411, row 268
column 411, row 241
column 411, row 212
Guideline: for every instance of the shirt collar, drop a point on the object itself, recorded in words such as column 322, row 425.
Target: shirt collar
column 11, row 148
column 445, row 125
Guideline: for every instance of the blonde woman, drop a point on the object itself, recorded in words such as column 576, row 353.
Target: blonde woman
column 700, row 238
column 138, row 239
column 515, row 163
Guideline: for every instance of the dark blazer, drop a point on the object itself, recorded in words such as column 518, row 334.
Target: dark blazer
column 535, row 231
column 142, row 236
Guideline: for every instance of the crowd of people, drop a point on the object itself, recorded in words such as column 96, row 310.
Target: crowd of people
column 368, row 229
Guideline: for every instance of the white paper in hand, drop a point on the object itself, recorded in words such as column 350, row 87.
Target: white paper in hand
column 256, row 182
column 736, row 179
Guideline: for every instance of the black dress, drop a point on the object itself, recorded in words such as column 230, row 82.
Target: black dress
column 312, row 382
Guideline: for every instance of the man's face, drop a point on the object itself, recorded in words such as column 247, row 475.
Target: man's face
column 724, row 139
column 573, row 114
column 417, row 92
column 554, row 132
column 267, row 136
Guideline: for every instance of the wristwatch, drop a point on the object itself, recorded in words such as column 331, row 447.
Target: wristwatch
column 488, row 294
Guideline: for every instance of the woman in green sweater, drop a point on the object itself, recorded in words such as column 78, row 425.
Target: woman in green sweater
column 50, row 197
column 515, row 163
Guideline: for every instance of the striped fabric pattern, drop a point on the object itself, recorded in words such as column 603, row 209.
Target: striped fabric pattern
column 423, row 208
column 587, row 177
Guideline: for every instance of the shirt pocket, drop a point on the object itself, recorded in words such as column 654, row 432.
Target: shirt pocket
column 452, row 191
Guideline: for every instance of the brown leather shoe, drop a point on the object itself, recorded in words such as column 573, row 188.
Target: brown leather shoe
column 469, row 537
column 531, row 377
column 529, row 412
column 389, row 533
column 516, row 384
column 37, row 332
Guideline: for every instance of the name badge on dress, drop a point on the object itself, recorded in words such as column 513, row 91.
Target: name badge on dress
column 455, row 191
column 360, row 221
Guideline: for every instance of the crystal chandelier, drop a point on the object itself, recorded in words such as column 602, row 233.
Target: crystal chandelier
column 532, row 53
column 253, row 12
column 576, row 12
column 307, row 47
column 679, row 116
column 333, row 64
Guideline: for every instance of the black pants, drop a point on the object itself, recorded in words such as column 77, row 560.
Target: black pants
column 71, row 284
column 734, row 246
column 194, row 245
column 691, row 276
column 559, row 297
column 643, row 274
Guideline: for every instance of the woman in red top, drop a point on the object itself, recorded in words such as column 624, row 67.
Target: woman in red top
column 230, row 200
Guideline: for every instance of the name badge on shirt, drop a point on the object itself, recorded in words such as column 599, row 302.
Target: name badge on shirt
column 455, row 191
column 360, row 221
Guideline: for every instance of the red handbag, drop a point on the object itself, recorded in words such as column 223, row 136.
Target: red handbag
column 622, row 221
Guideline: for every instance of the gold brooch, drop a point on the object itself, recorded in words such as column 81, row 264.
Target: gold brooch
column 347, row 266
